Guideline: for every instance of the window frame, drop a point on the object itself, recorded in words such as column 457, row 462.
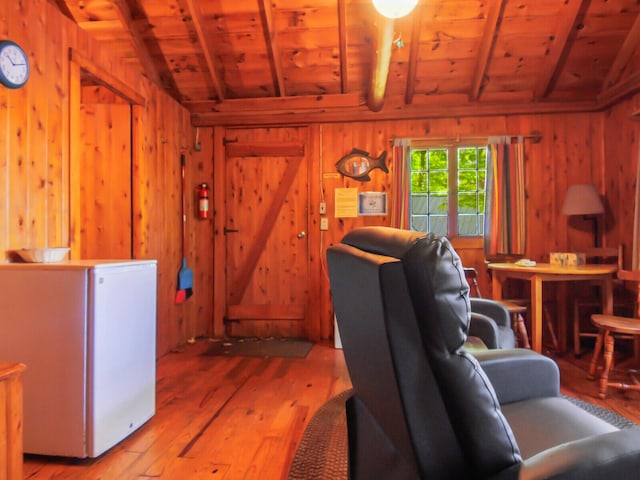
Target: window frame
column 470, row 241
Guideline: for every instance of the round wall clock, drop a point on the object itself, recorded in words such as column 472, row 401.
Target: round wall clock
column 14, row 65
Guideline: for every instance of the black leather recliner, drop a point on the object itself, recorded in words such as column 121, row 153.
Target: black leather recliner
column 491, row 322
column 423, row 407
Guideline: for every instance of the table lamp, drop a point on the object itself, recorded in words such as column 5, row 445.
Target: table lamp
column 584, row 200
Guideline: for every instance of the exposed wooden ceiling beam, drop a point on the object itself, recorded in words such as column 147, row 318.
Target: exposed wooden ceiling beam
column 494, row 15
column 64, row 9
column 204, row 38
column 394, row 109
column 571, row 11
column 102, row 77
column 165, row 40
column 380, row 64
column 273, row 50
column 350, row 107
column 620, row 90
column 342, row 32
column 298, row 102
column 414, row 49
column 142, row 52
column 625, row 53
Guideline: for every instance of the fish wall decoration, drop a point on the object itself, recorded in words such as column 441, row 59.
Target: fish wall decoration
column 358, row 163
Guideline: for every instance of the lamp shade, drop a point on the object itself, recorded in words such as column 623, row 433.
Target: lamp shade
column 394, row 8
column 582, row 199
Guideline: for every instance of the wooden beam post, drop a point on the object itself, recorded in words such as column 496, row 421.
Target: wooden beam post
column 414, row 50
column 344, row 61
column 380, row 65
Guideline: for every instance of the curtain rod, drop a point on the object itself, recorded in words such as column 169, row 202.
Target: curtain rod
column 534, row 136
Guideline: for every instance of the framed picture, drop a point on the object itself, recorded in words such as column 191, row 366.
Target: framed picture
column 372, row 203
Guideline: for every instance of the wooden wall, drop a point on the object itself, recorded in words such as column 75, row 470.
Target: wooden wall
column 621, row 155
column 598, row 148
column 35, row 177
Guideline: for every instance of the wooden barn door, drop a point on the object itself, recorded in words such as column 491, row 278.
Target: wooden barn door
column 266, row 232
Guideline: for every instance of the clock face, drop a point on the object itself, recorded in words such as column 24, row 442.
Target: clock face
column 14, row 65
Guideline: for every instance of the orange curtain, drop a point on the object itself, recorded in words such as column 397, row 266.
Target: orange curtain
column 505, row 222
column 400, row 210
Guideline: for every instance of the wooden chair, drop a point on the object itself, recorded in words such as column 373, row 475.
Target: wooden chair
column 516, row 311
column 610, row 326
column 546, row 312
column 591, row 302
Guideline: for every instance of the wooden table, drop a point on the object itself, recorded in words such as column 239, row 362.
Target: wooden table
column 11, row 420
column 545, row 272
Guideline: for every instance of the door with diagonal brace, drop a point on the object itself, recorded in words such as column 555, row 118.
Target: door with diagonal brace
column 266, row 232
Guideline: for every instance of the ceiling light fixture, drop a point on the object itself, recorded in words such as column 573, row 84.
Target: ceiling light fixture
column 394, row 8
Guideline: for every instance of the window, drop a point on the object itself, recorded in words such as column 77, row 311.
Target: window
column 447, row 189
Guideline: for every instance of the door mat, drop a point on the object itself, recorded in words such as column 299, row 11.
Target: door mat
column 260, row 347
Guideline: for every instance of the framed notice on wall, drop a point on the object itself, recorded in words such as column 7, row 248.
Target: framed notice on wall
column 372, row 203
column 346, row 202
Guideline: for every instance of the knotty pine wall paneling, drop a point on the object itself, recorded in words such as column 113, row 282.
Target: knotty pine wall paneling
column 574, row 148
column 25, row 177
column 599, row 148
column 570, row 151
column 105, row 190
column 622, row 144
column 35, row 177
column 201, row 171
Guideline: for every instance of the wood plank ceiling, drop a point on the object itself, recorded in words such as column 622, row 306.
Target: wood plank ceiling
column 261, row 61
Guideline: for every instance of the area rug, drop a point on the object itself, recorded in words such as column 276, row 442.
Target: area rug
column 608, row 416
column 322, row 453
column 260, row 347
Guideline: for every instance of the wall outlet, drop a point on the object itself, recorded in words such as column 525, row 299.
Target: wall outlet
column 323, row 208
column 324, row 224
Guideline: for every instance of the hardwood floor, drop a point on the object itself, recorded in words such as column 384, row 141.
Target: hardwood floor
column 574, row 382
column 242, row 418
column 216, row 418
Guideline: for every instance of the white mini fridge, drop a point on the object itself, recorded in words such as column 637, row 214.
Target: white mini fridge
column 86, row 330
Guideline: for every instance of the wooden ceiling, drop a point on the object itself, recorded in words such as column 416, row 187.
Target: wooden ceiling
column 284, row 61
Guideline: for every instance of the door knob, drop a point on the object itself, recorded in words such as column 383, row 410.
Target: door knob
column 302, row 234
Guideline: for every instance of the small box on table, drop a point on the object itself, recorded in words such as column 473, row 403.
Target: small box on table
column 567, row 259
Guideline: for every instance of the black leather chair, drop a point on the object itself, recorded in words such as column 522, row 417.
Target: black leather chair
column 491, row 322
column 423, row 407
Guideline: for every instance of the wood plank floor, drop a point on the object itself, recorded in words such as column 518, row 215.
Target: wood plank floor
column 216, row 418
column 242, row 418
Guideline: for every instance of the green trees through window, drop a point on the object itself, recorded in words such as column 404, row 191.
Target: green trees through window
column 442, row 206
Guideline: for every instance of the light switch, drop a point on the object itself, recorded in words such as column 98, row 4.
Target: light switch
column 324, row 223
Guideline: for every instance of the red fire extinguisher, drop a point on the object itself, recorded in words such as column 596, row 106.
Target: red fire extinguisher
column 203, row 201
